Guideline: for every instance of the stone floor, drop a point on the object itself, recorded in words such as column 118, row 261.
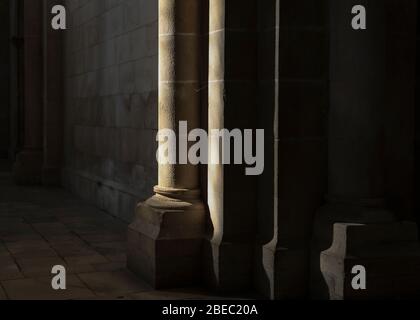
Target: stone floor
column 40, row 228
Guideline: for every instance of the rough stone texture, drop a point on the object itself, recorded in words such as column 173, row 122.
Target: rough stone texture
column 111, row 102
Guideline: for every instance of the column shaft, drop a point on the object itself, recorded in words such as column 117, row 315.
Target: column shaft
column 179, row 78
column 232, row 105
column 28, row 165
column 52, row 98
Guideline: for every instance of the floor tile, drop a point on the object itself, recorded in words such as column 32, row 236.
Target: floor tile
column 41, row 228
column 118, row 282
column 10, row 271
column 90, row 259
column 41, row 289
column 110, row 266
column 38, row 267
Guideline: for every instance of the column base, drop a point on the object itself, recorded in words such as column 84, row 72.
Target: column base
column 390, row 254
column 228, row 266
column 165, row 239
column 368, row 211
column 27, row 168
column 284, row 272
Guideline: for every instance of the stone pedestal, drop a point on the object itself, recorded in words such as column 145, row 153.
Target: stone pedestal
column 366, row 234
column 389, row 252
column 165, row 238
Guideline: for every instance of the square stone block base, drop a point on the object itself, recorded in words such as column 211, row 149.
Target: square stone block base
column 389, row 253
column 164, row 244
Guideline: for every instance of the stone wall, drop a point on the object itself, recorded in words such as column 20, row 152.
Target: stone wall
column 111, row 102
column 4, row 79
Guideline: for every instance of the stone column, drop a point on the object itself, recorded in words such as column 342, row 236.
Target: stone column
column 269, row 253
column 14, row 69
column 5, row 79
column 52, row 97
column 28, row 165
column 166, row 235
column 232, row 195
column 356, row 119
column 356, row 227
